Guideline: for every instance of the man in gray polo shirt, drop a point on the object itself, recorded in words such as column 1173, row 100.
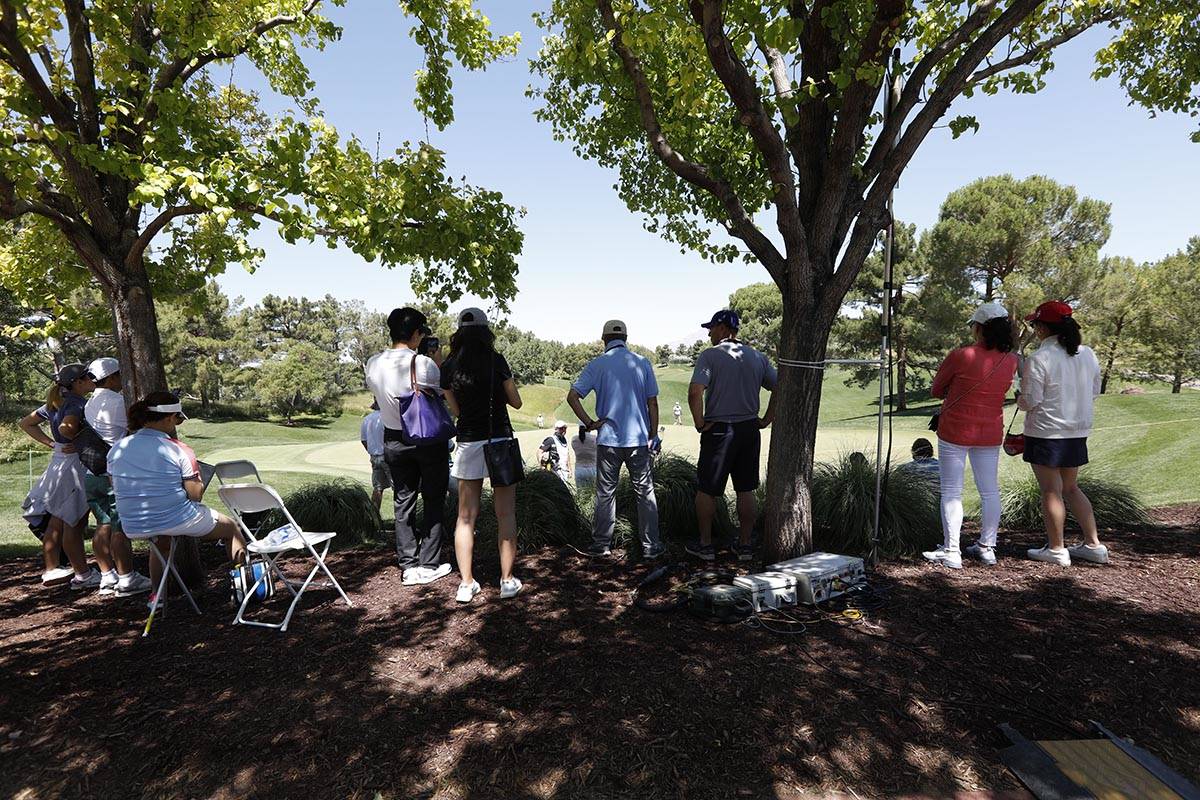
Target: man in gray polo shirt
column 723, row 397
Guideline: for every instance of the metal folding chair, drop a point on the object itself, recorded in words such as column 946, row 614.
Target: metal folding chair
column 232, row 471
column 168, row 568
column 253, row 498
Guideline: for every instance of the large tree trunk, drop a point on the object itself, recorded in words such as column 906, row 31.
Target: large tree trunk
column 789, row 520
column 135, row 327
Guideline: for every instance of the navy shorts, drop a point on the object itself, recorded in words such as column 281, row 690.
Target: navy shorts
column 729, row 449
column 1062, row 453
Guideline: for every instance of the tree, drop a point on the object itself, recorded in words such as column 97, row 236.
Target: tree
column 1113, row 309
column 1167, row 329
column 529, row 359
column 301, row 381
column 722, row 117
column 576, row 356
column 760, row 308
column 198, row 344
column 1035, row 231
column 662, row 354
column 116, row 132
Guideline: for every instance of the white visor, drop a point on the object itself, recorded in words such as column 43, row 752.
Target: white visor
column 171, row 408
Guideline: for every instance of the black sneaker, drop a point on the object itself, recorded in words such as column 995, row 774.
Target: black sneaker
column 654, row 555
column 744, row 552
column 597, row 552
column 704, row 552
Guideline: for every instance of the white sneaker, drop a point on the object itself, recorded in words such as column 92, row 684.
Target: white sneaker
column 131, row 584
column 421, row 575
column 89, row 581
column 985, row 554
column 510, row 588
column 466, row 592
column 1060, row 557
column 57, row 575
column 945, row 557
column 108, row 582
column 408, row 577
column 1085, row 552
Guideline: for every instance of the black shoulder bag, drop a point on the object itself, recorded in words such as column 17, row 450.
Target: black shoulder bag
column 92, row 449
column 504, row 463
column 933, row 420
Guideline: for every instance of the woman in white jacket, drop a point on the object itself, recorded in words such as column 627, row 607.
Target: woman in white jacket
column 1059, row 383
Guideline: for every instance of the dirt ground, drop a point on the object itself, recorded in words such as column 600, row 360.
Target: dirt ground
column 571, row 690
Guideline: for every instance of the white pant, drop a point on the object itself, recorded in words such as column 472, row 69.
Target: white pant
column 985, row 464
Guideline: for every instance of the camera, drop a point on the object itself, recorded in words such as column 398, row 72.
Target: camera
column 430, row 345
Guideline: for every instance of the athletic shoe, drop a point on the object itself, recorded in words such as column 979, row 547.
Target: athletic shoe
column 133, row 583
column 1085, row 552
column 467, row 592
column 53, row 577
column 1060, row 557
column 985, row 554
column 597, row 552
column 407, row 575
column 654, row 555
column 423, row 575
column 89, row 581
column 947, row 558
column 704, row 552
column 510, row 588
column 744, row 552
column 108, row 582
column 150, row 602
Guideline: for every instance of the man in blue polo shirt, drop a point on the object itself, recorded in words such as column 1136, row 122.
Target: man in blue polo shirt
column 627, row 421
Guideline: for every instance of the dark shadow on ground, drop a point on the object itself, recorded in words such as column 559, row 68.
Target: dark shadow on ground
column 571, row 691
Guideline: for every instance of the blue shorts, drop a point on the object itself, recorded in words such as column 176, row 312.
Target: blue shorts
column 1061, row 453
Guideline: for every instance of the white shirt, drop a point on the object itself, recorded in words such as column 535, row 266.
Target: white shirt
column 371, row 432
column 105, row 412
column 388, row 378
column 585, row 451
column 1057, row 391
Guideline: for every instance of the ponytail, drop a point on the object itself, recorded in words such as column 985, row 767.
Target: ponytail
column 1068, row 334
column 54, row 397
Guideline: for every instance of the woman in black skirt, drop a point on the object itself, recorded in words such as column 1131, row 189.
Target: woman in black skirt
column 1058, row 385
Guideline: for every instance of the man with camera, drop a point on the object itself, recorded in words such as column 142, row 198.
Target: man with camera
column 415, row 469
column 627, row 421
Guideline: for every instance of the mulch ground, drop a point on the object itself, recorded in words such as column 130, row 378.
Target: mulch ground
column 572, row 691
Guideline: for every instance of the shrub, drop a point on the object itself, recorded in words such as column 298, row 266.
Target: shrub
column 337, row 504
column 14, row 444
column 675, row 490
column 1115, row 504
column 843, row 494
column 547, row 514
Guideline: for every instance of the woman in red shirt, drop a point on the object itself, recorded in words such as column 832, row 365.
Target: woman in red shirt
column 972, row 383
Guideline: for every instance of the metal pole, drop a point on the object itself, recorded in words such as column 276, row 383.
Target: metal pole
column 893, row 100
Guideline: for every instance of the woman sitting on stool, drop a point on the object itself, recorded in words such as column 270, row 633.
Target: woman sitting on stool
column 158, row 487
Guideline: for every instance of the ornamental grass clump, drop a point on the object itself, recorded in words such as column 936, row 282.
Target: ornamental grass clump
column 675, row 491
column 547, row 515
column 1115, row 504
column 336, row 504
column 843, row 498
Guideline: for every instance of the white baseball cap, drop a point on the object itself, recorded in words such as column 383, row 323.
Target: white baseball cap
column 560, row 423
column 101, row 368
column 615, row 326
column 986, row 312
column 472, row 317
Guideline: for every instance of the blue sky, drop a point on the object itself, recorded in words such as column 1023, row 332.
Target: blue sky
column 587, row 258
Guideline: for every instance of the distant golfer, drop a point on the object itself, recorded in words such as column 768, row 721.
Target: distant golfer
column 724, row 400
column 678, row 411
column 627, row 419
column 370, row 433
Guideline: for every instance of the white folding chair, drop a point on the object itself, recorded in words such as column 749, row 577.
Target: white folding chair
column 250, row 498
column 168, row 568
column 230, row 471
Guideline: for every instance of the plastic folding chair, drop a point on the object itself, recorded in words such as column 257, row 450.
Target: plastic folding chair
column 168, row 568
column 253, row 498
column 231, row 471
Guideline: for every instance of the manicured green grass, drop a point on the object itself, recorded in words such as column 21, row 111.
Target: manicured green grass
column 1151, row 441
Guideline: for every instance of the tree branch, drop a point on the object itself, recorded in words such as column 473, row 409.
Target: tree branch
column 698, row 175
column 744, row 92
column 1038, row 50
column 82, row 67
column 782, row 83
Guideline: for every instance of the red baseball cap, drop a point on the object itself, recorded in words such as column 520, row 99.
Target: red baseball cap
column 1050, row 311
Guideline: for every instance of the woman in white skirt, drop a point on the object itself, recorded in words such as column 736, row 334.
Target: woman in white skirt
column 584, row 446
column 479, row 388
column 158, row 485
column 61, row 490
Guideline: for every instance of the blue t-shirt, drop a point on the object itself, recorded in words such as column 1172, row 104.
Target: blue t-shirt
column 623, row 381
column 72, row 406
column 148, row 470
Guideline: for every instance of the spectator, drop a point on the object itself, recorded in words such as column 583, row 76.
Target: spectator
column 370, row 433
column 1058, row 387
column 923, row 461
column 584, row 448
column 555, row 452
column 540, row 420
column 414, row 470
column 159, row 487
column 105, row 413
column 972, row 382
column 61, row 491
column 678, row 412
column 724, row 400
column 626, row 421
column 479, row 386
